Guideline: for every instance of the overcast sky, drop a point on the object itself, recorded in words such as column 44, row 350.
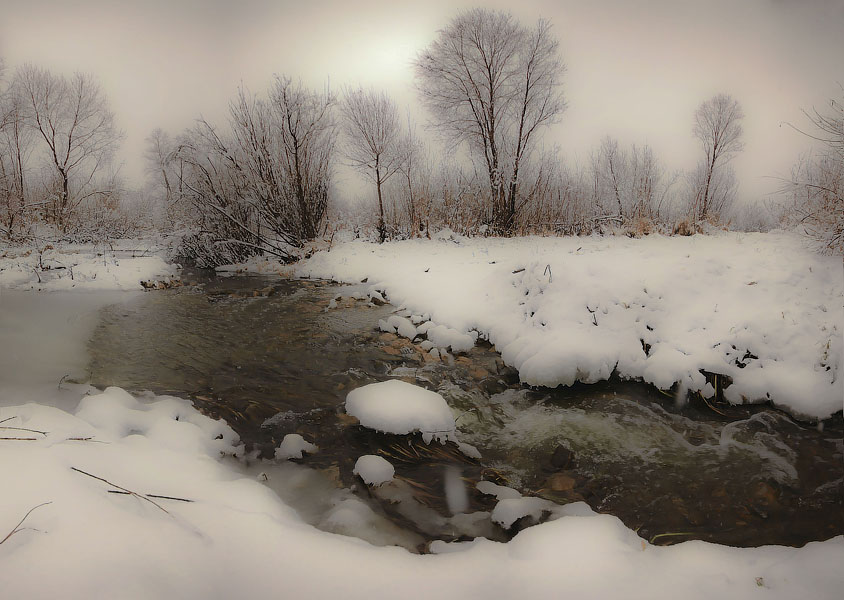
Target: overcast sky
column 636, row 70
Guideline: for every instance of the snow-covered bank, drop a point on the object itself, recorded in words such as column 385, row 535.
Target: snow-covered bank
column 120, row 266
column 759, row 308
column 236, row 539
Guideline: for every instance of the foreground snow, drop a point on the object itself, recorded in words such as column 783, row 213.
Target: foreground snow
column 760, row 308
column 236, row 539
column 120, row 266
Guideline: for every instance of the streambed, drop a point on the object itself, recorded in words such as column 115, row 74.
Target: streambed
column 268, row 357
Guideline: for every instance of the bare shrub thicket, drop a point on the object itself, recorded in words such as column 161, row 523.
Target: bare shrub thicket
column 815, row 193
column 261, row 186
column 619, row 191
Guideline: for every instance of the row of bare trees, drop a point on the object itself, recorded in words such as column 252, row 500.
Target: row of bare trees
column 492, row 87
column 57, row 137
column 263, row 182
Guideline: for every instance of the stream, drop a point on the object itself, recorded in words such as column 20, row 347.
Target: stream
column 269, row 357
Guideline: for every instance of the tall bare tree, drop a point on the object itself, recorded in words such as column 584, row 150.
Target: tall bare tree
column 72, row 118
column 718, row 127
column 491, row 82
column 373, row 140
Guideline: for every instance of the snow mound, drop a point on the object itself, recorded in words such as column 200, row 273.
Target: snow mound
column 510, row 510
column 499, row 491
column 374, row 470
column 292, row 446
column 401, row 408
column 446, row 337
column 400, row 325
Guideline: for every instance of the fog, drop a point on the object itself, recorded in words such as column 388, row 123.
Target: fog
column 636, row 71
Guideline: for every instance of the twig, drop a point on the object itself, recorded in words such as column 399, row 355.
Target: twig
column 17, row 528
column 151, row 496
column 8, row 419
column 25, row 429
column 137, row 495
column 671, row 534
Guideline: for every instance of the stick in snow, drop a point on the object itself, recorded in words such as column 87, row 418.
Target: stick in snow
column 137, row 495
column 17, row 528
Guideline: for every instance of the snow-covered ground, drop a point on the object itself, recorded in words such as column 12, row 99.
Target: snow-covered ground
column 119, row 266
column 760, row 308
column 236, row 538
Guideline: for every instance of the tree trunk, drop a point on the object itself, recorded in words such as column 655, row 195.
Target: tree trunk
column 382, row 227
column 704, row 203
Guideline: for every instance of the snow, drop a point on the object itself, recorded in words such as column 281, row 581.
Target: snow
column 499, row 491
column 510, row 510
column 397, row 324
column 237, row 539
column 83, row 267
column 292, row 446
column 397, row 407
column 374, row 470
column 760, row 308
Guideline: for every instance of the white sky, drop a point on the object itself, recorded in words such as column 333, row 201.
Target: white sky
column 636, row 69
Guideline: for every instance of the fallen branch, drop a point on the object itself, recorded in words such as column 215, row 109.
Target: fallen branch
column 137, row 495
column 7, row 419
column 18, row 439
column 17, row 528
column 151, row 496
column 24, row 429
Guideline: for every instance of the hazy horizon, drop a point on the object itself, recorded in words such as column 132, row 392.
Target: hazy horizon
column 635, row 71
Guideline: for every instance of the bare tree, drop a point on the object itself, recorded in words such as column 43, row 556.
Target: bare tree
column 72, row 119
column 15, row 148
column 495, row 84
column 416, row 171
column 307, row 137
column 373, row 140
column 718, row 127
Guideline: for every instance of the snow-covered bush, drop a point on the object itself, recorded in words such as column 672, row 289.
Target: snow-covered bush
column 815, row 194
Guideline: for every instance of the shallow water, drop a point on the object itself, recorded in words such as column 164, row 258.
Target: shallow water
column 268, row 357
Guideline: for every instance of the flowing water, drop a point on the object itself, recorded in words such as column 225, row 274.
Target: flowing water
column 269, row 357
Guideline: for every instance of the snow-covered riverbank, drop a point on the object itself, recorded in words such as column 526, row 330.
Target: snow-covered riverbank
column 235, row 538
column 122, row 265
column 759, row 308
